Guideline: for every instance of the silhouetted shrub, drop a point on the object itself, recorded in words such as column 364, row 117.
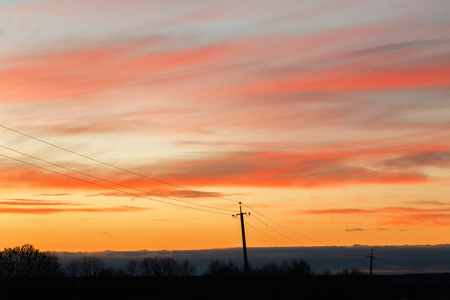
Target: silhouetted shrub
column 26, row 261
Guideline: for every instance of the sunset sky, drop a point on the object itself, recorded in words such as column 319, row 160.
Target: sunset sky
column 129, row 125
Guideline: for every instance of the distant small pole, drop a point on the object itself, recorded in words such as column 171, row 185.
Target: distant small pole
column 371, row 261
column 244, row 245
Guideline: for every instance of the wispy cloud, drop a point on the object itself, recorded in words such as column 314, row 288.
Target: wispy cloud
column 425, row 202
column 364, row 166
column 33, row 202
column 393, row 216
column 167, row 193
column 355, row 229
column 434, row 158
column 438, row 219
column 387, row 210
column 54, row 194
column 44, row 211
column 37, row 206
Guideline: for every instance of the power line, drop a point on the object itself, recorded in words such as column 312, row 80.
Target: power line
column 108, row 187
column 283, row 226
column 280, row 233
column 246, row 222
column 108, row 164
column 115, row 183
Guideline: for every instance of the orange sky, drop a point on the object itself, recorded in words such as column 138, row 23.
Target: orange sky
column 131, row 125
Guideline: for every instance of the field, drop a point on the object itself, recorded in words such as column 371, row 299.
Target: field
column 418, row 286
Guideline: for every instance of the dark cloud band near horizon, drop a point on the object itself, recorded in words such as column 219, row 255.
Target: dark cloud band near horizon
column 390, row 259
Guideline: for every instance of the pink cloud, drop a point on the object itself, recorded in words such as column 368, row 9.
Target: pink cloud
column 394, row 216
column 384, row 210
column 341, row 79
column 257, row 169
column 416, row 220
column 232, row 67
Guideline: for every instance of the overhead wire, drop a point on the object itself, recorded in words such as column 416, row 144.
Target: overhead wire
column 146, row 177
column 112, row 182
column 283, row 226
column 277, row 231
column 108, row 164
column 108, row 187
column 265, row 233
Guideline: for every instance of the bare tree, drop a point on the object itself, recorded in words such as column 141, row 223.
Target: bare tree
column 73, row 268
column 145, row 267
column 132, row 268
column 270, row 269
column 350, row 272
column 220, row 268
column 91, row 266
column 27, row 261
column 166, row 267
column 187, row 269
column 298, row 267
column 162, row 267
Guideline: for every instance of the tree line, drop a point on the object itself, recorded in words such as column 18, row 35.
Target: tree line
column 28, row 262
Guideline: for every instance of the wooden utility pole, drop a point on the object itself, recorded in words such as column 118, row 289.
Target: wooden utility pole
column 244, row 245
column 371, row 261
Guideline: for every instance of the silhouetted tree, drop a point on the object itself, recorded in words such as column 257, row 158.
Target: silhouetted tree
column 132, row 268
column 26, row 261
column 145, row 267
column 220, row 268
column 109, row 272
column 295, row 267
column 187, row 269
column 167, row 267
column 326, row 272
column 73, row 268
column 161, row 267
column 91, row 266
column 298, row 267
column 350, row 272
column 270, row 269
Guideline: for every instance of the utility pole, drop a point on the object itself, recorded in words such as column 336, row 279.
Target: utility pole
column 244, row 245
column 371, row 261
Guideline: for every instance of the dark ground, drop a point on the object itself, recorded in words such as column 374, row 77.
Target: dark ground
column 420, row 286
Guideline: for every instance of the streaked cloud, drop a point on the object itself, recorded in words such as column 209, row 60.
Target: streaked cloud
column 393, row 216
column 437, row 219
column 33, row 202
column 365, row 166
column 37, row 206
column 45, row 211
column 429, row 203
